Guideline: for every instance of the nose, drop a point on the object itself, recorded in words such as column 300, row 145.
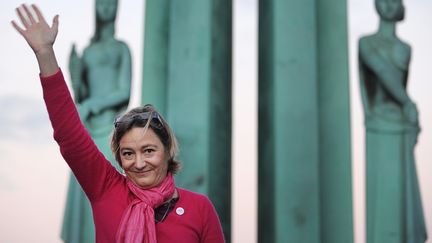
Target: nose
column 140, row 162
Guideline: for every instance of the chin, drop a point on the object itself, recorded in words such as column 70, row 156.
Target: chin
column 144, row 184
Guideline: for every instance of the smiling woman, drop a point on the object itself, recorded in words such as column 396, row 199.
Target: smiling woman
column 125, row 207
column 143, row 157
column 145, row 146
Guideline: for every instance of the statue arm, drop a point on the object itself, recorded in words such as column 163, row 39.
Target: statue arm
column 363, row 91
column 76, row 70
column 125, row 70
column 388, row 75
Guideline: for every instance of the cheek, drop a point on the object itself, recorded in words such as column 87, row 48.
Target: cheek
column 163, row 163
column 125, row 164
column 166, row 166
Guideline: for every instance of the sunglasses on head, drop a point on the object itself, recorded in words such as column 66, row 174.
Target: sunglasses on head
column 154, row 116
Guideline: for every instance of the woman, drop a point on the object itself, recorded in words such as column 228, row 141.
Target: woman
column 394, row 210
column 101, row 80
column 142, row 206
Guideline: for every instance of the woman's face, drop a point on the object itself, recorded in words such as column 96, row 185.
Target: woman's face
column 143, row 157
column 106, row 9
column 391, row 10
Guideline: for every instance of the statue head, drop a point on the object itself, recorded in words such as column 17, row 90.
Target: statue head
column 390, row 10
column 106, row 10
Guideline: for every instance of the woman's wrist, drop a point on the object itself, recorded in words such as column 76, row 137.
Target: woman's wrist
column 47, row 61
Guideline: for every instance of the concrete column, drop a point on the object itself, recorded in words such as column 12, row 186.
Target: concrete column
column 155, row 63
column 192, row 78
column 304, row 142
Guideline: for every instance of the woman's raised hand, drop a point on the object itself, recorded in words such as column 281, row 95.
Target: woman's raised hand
column 36, row 31
column 39, row 36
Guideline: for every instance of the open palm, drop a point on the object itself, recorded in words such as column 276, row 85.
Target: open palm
column 38, row 34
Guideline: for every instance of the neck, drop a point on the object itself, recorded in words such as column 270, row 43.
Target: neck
column 387, row 28
column 106, row 30
column 175, row 195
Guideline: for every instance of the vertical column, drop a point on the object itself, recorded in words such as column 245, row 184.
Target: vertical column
column 155, row 63
column 304, row 155
column 199, row 97
column 288, row 123
column 334, row 118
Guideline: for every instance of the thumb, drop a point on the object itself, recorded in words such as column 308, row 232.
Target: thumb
column 55, row 23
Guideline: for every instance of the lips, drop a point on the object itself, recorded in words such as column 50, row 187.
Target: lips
column 142, row 173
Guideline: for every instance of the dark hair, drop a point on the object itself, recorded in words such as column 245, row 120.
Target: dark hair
column 147, row 117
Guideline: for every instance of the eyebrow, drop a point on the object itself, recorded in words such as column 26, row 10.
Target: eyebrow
column 144, row 146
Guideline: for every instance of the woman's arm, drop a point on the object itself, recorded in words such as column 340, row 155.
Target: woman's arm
column 212, row 229
column 78, row 149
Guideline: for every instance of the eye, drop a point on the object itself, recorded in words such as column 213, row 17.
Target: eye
column 148, row 150
column 127, row 155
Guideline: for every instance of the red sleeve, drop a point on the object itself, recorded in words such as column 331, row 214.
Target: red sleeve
column 212, row 229
column 92, row 170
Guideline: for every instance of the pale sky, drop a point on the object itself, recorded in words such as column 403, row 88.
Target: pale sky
column 33, row 176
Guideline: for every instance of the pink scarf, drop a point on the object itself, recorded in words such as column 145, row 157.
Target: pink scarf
column 138, row 224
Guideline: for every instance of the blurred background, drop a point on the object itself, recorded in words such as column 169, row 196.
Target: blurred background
column 33, row 176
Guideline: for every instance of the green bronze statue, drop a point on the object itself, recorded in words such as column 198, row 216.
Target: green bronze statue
column 101, row 81
column 394, row 209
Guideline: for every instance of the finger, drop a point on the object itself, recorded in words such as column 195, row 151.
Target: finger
column 16, row 26
column 55, row 23
column 29, row 14
column 22, row 18
column 38, row 13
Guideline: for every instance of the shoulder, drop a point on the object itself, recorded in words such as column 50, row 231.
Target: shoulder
column 198, row 204
column 366, row 43
column 206, row 216
column 122, row 49
column 404, row 44
column 190, row 195
column 199, row 201
column 121, row 45
column 404, row 47
column 89, row 49
column 365, row 40
column 402, row 53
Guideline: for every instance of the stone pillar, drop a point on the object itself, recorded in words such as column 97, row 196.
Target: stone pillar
column 304, row 137
column 196, row 91
column 334, row 107
column 155, row 63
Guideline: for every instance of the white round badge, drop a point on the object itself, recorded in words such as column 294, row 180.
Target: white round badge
column 180, row 211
